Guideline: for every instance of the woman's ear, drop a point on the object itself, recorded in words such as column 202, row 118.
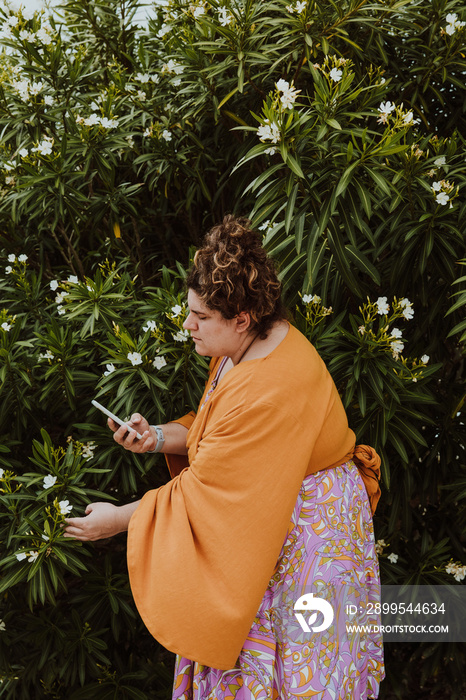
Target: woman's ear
column 243, row 322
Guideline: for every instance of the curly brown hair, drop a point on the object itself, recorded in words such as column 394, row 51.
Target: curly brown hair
column 231, row 273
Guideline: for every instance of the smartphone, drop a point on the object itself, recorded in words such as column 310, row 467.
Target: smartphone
column 112, row 416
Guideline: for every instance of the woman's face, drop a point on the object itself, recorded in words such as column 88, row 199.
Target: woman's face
column 213, row 335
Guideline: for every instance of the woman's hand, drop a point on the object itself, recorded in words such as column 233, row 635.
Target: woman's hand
column 102, row 520
column 125, row 435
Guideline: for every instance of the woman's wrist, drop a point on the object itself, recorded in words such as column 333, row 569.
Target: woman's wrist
column 124, row 515
column 159, row 438
column 174, row 435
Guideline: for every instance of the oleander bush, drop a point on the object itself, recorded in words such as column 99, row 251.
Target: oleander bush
column 339, row 129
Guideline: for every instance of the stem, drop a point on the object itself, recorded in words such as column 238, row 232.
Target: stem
column 73, row 252
column 139, row 251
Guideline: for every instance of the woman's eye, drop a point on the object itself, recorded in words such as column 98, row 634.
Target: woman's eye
column 201, row 318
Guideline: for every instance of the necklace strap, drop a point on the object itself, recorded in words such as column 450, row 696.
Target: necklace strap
column 250, row 344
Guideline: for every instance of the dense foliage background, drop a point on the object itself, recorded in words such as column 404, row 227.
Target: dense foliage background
column 338, row 127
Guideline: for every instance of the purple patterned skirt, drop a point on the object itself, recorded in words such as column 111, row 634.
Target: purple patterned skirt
column 330, row 552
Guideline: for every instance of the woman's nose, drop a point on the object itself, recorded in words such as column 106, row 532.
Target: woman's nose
column 189, row 322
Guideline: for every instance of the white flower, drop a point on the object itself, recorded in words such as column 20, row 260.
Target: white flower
column 395, row 333
column 172, row 67
column 289, row 95
column 21, row 555
column 269, row 131
column 23, row 152
column 43, row 36
column 307, row 298
column 27, row 14
column 393, row 558
column 385, row 108
column 22, row 257
column 452, row 17
column 198, row 11
column 46, row 355
column 397, row 347
column 176, row 310
column 436, row 186
column 24, row 35
column 44, row 148
column 142, row 77
column 73, row 279
column 53, row 285
column 2, row 626
column 298, row 8
column 425, row 359
column 110, row 368
column 336, row 74
column 159, row 362
column 32, row 556
column 60, row 296
column 380, row 544
column 361, row 330
column 88, row 450
column 408, row 311
column 167, row 135
column 270, row 151
column 45, row 537
column 440, row 161
column 408, row 117
column 450, row 29
column 11, row 257
column 92, row 120
column 150, row 326
column 135, row 358
column 164, row 29
column 224, row 17
column 442, row 198
column 382, row 306
column 181, row 336
column 49, row 481
column 458, row 571
column 2, row 471
column 108, row 123
column 35, row 88
column 6, row 326
column 60, row 310
column 264, row 226
column 8, row 269
column 64, row 507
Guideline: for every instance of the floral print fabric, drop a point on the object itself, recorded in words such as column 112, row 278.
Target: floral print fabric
column 330, row 551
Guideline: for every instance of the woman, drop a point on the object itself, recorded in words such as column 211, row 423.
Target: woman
column 270, row 509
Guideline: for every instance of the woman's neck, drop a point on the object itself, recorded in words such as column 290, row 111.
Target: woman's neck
column 255, row 347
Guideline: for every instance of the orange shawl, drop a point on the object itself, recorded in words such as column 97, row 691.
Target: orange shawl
column 202, row 548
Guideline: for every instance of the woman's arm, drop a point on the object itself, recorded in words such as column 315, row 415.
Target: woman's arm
column 125, row 435
column 102, row 520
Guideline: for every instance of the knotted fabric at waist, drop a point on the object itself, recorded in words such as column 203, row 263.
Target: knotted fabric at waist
column 368, row 463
